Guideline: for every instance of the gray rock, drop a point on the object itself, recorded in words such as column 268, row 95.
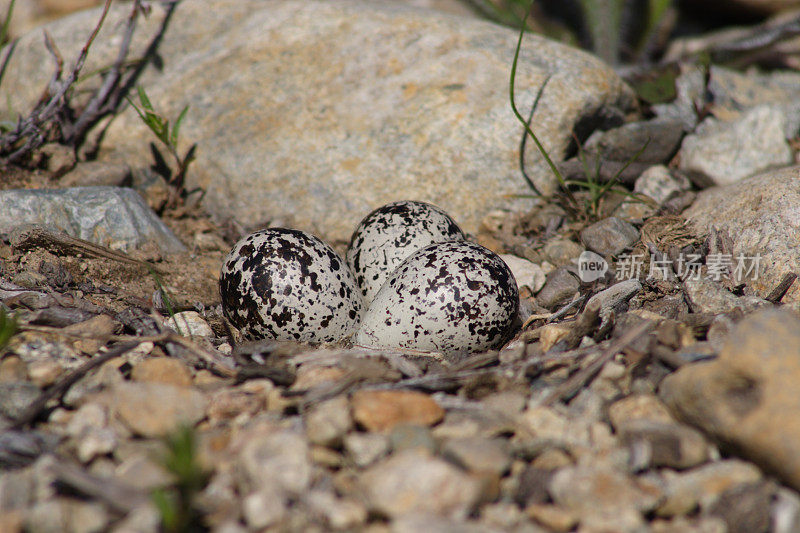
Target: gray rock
column 411, row 437
column 109, row 216
column 16, row 396
column 95, row 443
column 411, row 482
column 527, row 273
column 156, row 409
column 615, row 298
column 67, row 515
column 760, row 215
column 745, row 508
column 96, row 173
column 323, row 111
column 659, row 183
column 366, row 448
column 144, row 519
column 702, row 486
column 560, row 286
column 659, row 444
column 734, row 92
column 786, row 511
column 657, row 140
column 265, row 507
column 561, row 251
column 747, row 397
column 532, row 486
column 609, row 236
column 37, row 348
column 446, row 6
column 690, row 88
column 17, row 489
column 721, row 153
column 473, row 423
column 190, row 324
column 277, row 459
column 328, row 422
column 703, row 524
column 430, row 523
column 479, row 454
column 143, row 472
column 603, row 497
column 708, row 296
column 339, row 513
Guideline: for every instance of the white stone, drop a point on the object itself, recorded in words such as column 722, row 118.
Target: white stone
column 722, row 153
column 527, row 273
column 190, row 324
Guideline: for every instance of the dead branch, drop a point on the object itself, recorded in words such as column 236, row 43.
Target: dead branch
column 48, row 110
column 574, row 383
column 39, row 237
column 782, row 288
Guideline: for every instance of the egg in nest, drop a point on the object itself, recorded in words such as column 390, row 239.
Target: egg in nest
column 390, row 234
column 454, row 297
column 287, row 284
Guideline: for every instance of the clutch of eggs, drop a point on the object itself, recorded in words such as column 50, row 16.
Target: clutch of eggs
column 391, row 233
column 453, row 297
column 287, row 284
column 426, row 287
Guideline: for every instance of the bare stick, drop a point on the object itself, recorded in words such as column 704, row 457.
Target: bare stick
column 574, row 383
column 43, row 113
column 37, row 237
column 101, row 103
column 782, row 288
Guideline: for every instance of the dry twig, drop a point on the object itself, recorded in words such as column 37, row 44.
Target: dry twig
column 574, row 383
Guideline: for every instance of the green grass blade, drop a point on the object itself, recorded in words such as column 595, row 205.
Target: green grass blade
column 6, row 23
column 519, row 116
column 145, row 101
column 173, row 137
column 8, row 327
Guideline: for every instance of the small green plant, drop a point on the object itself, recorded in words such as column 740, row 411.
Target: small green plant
column 4, row 28
column 596, row 189
column 9, row 326
column 168, row 136
column 176, row 503
column 166, row 297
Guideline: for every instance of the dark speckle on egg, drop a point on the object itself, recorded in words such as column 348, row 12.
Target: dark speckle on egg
column 453, row 297
column 287, row 284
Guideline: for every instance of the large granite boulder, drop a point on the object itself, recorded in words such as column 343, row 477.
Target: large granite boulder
column 313, row 113
column 760, row 215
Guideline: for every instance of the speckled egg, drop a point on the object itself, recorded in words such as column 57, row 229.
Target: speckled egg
column 287, row 284
column 453, row 297
column 390, row 234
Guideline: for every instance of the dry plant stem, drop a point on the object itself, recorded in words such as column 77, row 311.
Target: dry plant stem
column 782, row 288
column 119, row 497
column 103, row 103
column 38, row 237
column 550, row 317
column 574, row 383
column 31, row 127
column 53, row 109
column 581, row 326
column 607, row 170
column 62, row 385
